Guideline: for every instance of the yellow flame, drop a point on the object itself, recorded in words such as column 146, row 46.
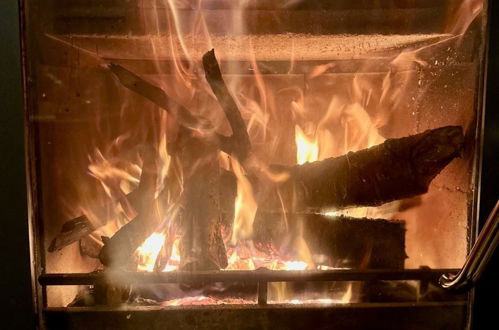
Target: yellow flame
column 245, row 205
column 307, row 150
column 148, row 252
column 174, row 261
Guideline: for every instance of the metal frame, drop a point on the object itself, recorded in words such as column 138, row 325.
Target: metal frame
column 35, row 225
column 261, row 277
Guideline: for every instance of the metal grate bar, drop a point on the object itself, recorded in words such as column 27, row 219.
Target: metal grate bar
column 257, row 276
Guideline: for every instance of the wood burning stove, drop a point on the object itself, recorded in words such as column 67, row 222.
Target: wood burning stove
column 252, row 164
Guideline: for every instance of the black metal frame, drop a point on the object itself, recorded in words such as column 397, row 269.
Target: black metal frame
column 261, row 277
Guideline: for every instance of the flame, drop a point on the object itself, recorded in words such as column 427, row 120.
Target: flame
column 307, row 150
column 347, row 297
column 174, row 261
column 148, row 252
column 328, row 124
column 245, row 205
column 295, row 265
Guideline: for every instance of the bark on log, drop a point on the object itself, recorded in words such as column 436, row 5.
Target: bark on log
column 200, row 217
column 396, row 169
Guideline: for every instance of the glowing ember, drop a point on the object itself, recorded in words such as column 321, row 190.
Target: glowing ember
column 295, row 265
column 204, row 300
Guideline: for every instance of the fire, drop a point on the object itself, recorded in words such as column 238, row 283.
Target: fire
column 245, row 205
column 148, row 252
column 307, row 150
column 174, row 261
column 348, row 118
column 295, row 265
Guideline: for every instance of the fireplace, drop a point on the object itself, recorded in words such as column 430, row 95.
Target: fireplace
column 207, row 164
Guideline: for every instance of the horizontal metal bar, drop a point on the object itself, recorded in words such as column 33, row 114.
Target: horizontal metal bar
column 260, row 275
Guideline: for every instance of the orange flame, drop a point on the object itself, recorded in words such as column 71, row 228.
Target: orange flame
column 148, row 252
column 245, row 206
column 307, row 150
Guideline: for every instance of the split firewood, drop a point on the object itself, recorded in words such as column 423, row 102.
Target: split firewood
column 75, row 229
column 91, row 246
column 356, row 242
column 71, row 231
column 156, row 95
column 337, row 241
column 200, row 224
column 239, row 142
column 393, row 170
column 199, row 221
column 183, row 116
column 78, row 228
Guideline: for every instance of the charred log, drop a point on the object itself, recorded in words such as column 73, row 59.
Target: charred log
column 357, row 242
column 71, row 231
column 396, row 169
column 340, row 241
column 239, row 142
column 117, row 250
column 199, row 220
column 156, row 95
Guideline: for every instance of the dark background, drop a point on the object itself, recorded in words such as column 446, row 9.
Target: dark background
column 15, row 285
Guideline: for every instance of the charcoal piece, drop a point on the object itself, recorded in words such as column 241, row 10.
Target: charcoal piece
column 239, row 141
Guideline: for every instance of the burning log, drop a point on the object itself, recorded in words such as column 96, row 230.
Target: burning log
column 201, row 244
column 71, row 231
column 396, row 169
column 117, row 250
column 239, row 143
column 155, row 95
column 200, row 218
column 75, row 229
column 161, row 99
column 356, row 242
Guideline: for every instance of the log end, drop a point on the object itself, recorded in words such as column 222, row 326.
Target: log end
column 211, row 68
column 437, row 149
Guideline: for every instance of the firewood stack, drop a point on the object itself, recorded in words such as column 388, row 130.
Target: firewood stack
column 396, row 169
